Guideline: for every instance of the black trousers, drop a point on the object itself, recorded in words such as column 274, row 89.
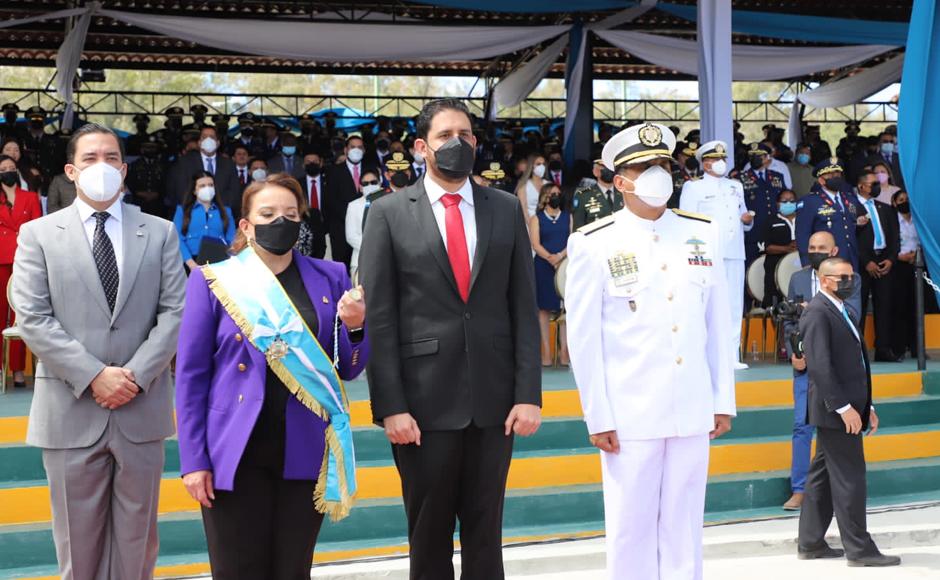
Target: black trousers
column 455, row 475
column 267, row 526
column 836, row 484
column 881, row 290
column 903, row 311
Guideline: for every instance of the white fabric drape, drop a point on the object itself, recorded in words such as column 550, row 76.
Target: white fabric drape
column 66, row 63
column 514, row 88
column 714, row 70
column 43, row 17
column 749, row 63
column 846, row 91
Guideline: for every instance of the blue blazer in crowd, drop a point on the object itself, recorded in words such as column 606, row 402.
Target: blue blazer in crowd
column 202, row 224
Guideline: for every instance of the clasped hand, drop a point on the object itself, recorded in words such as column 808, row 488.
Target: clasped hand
column 523, row 420
column 352, row 312
column 114, row 387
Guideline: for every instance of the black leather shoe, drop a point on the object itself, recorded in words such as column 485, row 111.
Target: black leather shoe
column 19, row 385
column 876, row 561
column 823, row 553
column 887, row 356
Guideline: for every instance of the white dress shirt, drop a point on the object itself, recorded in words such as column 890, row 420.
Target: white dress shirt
column 112, row 227
column 841, row 306
column 435, row 193
column 205, row 163
column 910, row 240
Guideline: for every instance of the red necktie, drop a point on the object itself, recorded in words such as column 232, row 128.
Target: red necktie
column 356, row 177
column 241, row 176
column 314, row 196
column 557, row 179
column 457, row 251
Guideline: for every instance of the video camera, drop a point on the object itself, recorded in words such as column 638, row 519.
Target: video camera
column 790, row 311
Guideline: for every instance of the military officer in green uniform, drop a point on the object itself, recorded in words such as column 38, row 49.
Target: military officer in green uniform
column 597, row 201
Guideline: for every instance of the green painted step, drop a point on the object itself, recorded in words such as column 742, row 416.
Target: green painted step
column 382, row 523
column 20, row 464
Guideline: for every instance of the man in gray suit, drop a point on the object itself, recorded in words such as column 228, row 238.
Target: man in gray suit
column 98, row 289
column 61, row 193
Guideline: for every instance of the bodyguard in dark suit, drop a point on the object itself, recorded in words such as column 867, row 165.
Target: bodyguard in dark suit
column 207, row 159
column 313, row 183
column 455, row 370
column 878, row 246
column 840, row 408
column 343, row 180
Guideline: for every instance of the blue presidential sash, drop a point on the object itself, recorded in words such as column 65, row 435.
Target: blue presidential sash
column 256, row 301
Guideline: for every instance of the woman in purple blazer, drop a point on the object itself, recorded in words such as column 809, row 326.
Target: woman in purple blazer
column 252, row 449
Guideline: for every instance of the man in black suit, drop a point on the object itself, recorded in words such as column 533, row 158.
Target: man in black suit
column 206, row 159
column 840, row 408
column 313, row 184
column 457, row 370
column 287, row 159
column 888, row 153
column 878, row 247
column 343, row 187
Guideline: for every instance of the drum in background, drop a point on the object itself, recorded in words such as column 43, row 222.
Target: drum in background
column 786, row 267
column 561, row 276
column 755, row 279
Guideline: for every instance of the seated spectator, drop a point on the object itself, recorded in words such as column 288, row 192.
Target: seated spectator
column 201, row 222
column 779, row 240
column 549, row 229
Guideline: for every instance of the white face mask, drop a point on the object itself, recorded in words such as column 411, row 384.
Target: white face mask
column 259, row 174
column 355, row 155
column 205, row 194
column 100, row 182
column 370, row 189
column 539, row 170
column 720, row 167
column 209, row 145
column 654, row 186
column 419, row 159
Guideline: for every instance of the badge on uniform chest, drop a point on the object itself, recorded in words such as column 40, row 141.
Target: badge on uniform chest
column 623, row 269
column 697, row 257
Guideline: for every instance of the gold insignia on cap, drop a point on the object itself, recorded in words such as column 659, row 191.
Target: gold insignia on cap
column 397, row 162
column 754, row 146
column 650, row 135
column 494, row 173
column 719, row 148
column 693, row 145
column 834, row 160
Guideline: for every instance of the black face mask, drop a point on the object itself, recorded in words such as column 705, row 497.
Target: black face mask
column 9, row 178
column 149, row 153
column 875, row 189
column 399, row 179
column 691, row 164
column 279, row 236
column 817, row 258
column 757, row 162
column 607, row 175
column 455, row 158
column 845, row 288
column 835, row 184
column 554, row 165
column 312, row 169
column 554, row 202
column 381, row 145
column 904, row 207
column 248, row 132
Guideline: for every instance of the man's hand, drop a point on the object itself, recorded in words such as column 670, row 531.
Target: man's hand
column 884, row 267
column 523, row 419
column 352, row 312
column 907, row 257
column 873, row 270
column 199, row 486
column 606, row 441
column 747, row 218
column 114, row 387
column 792, row 246
column 853, row 421
column 722, row 426
column 799, row 363
column 873, row 422
column 862, row 221
column 402, row 429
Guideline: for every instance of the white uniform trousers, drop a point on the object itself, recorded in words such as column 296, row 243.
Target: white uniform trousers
column 654, row 508
column 734, row 274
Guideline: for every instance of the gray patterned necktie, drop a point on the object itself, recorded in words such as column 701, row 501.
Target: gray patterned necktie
column 103, row 252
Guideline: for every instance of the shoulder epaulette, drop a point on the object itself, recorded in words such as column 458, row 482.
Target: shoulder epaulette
column 596, row 225
column 692, row 216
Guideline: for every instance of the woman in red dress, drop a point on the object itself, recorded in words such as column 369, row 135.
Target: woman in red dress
column 17, row 206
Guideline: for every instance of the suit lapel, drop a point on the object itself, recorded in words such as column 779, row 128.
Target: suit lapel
column 427, row 227
column 484, row 218
column 81, row 257
column 135, row 242
column 838, row 314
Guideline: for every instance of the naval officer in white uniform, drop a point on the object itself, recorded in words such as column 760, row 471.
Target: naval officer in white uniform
column 722, row 200
column 647, row 300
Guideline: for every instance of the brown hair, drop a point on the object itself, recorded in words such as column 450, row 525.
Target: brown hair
column 545, row 194
column 276, row 179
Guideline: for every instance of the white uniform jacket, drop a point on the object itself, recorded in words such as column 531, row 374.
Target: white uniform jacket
column 721, row 199
column 649, row 326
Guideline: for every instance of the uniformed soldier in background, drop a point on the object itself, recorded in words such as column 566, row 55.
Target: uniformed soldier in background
column 146, row 179
column 597, row 201
column 221, row 129
column 172, row 133
column 646, row 299
column 39, row 147
column 762, row 186
column 829, row 209
column 247, row 136
column 722, row 200
column 133, row 142
column 10, row 129
column 199, row 112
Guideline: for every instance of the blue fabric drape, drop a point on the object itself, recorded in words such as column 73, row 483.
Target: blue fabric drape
column 919, row 124
column 714, row 70
column 802, row 27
